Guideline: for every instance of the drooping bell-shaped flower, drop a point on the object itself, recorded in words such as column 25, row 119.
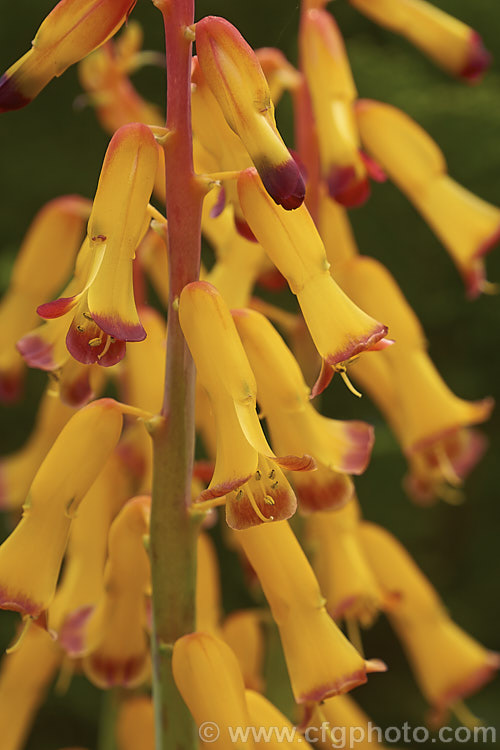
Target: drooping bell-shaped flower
column 236, row 79
column 116, row 649
column 430, row 422
column 332, row 89
column 71, row 30
column 25, row 676
column 31, row 556
column 339, row 328
column 243, row 631
column 208, row 677
column 18, row 469
column 468, row 226
column 105, row 314
column 450, row 43
column 247, row 473
column 42, row 266
column 344, row 573
column 82, row 580
column 448, row 664
column 321, row 661
column 295, row 425
column 135, row 726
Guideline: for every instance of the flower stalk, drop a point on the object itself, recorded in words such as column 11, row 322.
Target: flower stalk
column 173, row 532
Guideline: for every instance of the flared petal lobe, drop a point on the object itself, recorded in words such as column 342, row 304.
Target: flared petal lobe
column 70, row 32
column 234, row 74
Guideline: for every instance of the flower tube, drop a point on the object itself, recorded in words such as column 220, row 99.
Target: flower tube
column 247, row 473
column 71, row 30
column 321, row 661
column 242, row 630
column 468, row 226
column 332, row 89
column 208, row 677
column 296, row 427
column 105, row 314
column 30, row 558
column 450, row 43
column 116, row 648
column 25, row 676
column 40, row 269
column 339, row 328
column 234, row 74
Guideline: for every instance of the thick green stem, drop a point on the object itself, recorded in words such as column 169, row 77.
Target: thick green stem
column 173, row 533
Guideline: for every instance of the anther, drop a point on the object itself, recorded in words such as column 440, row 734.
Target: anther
column 258, row 475
column 88, row 316
column 95, row 342
column 271, row 474
column 274, row 485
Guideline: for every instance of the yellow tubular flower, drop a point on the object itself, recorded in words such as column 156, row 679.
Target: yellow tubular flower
column 345, row 724
column 30, row 558
column 281, row 731
column 18, row 469
column 448, row 664
column 25, row 676
column 344, row 573
column 116, row 650
column 246, row 469
column 321, row 662
column 234, row 74
column 397, row 573
column 83, row 576
column 466, row 225
column 41, row 268
column 135, row 727
column 242, row 630
column 105, row 314
column 208, row 595
column 208, row 677
column 71, row 30
column 221, row 143
column 332, row 89
column 339, row 328
column 450, row 43
column 295, row 425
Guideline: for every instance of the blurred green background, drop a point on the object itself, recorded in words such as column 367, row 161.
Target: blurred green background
column 52, row 148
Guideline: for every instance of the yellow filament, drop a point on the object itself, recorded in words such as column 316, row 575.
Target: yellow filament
column 446, row 466
column 256, row 508
column 465, row 715
column 343, row 375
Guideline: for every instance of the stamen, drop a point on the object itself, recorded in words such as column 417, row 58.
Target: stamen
column 271, row 474
column 256, row 508
column 109, row 341
column 343, row 375
column 95, row 342
column 88, row 316
column 354, row 634
column 446, row 466
column 269, row 500
column 80, row 329
column 465, row 715
column 258, row 475
column 274, row 485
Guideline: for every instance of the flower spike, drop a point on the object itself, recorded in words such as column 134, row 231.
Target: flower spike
column 70, row 32
column 234, row 74
column 452, row 44
column 340, row 329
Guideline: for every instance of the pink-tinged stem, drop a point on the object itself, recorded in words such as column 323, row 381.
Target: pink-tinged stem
column 173, row 533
